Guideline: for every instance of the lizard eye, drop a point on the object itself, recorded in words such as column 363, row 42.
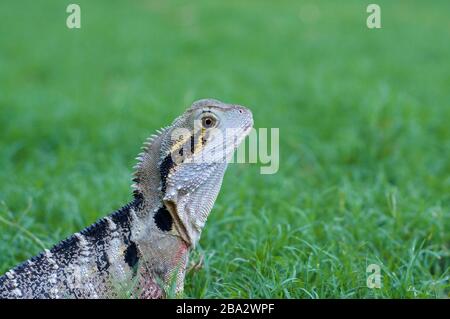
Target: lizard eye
column 208, row 121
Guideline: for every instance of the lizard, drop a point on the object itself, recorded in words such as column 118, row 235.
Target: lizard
column 142, row 249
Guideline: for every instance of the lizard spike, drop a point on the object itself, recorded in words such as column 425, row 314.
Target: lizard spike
column 147, row 143
column 151, row 138
column 161, row 130
column 143, row 159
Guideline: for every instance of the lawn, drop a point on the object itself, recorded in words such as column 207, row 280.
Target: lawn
column 364, row 174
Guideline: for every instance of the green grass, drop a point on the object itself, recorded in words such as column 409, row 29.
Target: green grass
column 364, row 135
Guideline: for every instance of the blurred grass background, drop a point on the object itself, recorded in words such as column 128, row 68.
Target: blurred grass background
column 364, row 135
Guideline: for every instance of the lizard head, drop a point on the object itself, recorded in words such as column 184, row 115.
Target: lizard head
column 194, row 153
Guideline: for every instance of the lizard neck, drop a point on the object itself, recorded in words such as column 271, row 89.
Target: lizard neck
column 161, row 251
column 149, row 190
column 153, row 228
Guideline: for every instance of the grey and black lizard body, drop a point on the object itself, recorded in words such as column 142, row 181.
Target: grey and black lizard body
column 142, row 250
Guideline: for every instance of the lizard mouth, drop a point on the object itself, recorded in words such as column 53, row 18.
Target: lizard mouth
column 247, row 129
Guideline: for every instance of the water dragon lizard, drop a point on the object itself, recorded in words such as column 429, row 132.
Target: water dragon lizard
column 143, row 248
